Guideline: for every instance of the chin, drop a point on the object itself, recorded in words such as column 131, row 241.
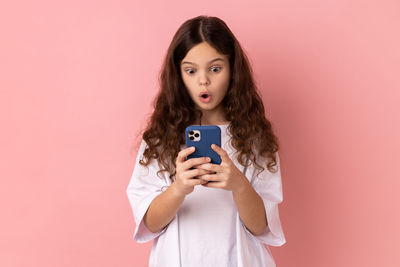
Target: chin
column 207, row 106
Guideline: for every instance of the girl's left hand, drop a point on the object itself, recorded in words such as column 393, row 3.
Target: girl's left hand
column 227, row 176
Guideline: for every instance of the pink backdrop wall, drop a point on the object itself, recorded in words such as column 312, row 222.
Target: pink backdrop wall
column 76, row 83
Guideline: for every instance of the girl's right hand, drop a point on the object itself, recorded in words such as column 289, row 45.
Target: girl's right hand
column 185, row 177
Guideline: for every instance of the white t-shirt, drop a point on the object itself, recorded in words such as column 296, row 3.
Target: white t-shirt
column 207, row 229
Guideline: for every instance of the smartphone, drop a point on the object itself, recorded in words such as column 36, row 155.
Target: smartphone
column 201, row 137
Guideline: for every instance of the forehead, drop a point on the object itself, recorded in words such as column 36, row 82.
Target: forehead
column 203, row 54
column 218, row 59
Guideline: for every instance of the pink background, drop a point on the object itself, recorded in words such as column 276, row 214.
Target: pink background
column 77, row 79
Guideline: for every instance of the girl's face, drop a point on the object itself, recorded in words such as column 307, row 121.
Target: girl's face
column 206, row 75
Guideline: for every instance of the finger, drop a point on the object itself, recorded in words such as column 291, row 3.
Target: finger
column 190, row 174
column 194, row 162
column 194, row 182
column 184, row 153
column 209, row 177
column 210, row 167
column 213, row 184
column 220, row 151
column 203, row 181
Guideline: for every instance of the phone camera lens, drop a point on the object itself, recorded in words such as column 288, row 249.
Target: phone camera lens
column 191, row 137
column 191, row 132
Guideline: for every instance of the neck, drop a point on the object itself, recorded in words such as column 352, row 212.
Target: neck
column 212, row 117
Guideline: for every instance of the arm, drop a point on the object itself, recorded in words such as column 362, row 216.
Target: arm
column 251, row 208
column 249, row 203
column 163, row 209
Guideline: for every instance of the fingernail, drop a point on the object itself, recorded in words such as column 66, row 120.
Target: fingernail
column 208, row 159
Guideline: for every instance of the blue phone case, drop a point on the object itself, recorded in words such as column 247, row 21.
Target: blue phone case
column 201, row 137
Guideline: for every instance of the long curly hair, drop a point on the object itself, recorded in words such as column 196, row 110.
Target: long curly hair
column 174, row 109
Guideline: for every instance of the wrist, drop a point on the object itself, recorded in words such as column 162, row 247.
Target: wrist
column 176, row 191
column 242, row 187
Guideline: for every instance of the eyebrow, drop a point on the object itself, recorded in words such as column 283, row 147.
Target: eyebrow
column 215, row 59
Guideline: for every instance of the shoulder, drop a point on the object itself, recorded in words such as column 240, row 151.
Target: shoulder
column 261, row 169
column 139, row 147
column 140, row 157
column 142, row 146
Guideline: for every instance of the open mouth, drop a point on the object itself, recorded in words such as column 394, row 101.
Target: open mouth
column 205, row 97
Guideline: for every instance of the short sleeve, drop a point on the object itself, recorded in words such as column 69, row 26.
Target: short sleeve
column 269, row 186
column 143, row 187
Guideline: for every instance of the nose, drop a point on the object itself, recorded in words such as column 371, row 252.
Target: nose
column 203, row 79
column 204, row 83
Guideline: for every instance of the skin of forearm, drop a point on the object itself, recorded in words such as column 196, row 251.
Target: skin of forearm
column 251, row 208
column 163, row 209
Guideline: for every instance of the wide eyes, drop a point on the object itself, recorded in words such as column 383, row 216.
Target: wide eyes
column 191, row 71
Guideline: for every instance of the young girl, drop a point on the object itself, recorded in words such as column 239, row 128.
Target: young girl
column 209, row 215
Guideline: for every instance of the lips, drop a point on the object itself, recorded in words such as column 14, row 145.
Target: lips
column 205, row 97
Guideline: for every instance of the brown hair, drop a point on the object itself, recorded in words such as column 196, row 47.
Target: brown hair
column 174, row 109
